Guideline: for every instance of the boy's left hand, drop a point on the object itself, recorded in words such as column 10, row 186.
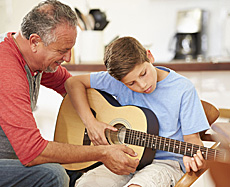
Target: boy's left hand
column 194, row 163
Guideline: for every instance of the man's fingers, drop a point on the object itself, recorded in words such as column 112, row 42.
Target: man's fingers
column 130, row 151
column 111, row 128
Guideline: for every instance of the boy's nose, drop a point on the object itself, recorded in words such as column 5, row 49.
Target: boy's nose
column 143, row 84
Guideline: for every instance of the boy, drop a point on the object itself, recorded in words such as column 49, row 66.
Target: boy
column 133, row 80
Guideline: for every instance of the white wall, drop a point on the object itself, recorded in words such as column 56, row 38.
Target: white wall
column 152, row 22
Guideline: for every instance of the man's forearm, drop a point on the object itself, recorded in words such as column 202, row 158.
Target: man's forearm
column 66, row 153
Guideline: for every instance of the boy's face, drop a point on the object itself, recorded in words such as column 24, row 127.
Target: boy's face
column 142, row 78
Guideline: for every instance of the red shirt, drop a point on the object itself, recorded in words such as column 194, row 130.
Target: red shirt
column 16, row 117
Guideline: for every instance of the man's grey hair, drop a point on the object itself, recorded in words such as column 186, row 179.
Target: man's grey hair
column 44, row 19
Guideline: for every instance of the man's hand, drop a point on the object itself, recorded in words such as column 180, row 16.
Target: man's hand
column 96, row 132
column 194, row 163
column 116, row 159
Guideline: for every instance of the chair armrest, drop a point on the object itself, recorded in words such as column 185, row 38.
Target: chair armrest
column 189, row 178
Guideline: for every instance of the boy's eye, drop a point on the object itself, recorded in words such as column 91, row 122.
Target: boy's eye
column 130, row 84
column 143, row 74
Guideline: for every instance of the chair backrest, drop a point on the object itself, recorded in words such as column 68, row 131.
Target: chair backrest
column 212, row 113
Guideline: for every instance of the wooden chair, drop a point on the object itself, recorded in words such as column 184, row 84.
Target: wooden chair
column 212, row 113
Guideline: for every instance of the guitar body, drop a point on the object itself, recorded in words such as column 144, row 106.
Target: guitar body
column 71, row 130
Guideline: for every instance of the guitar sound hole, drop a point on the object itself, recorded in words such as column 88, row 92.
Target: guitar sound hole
column 117, row 137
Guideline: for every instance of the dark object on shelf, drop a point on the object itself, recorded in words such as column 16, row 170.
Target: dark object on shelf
column 99, row 18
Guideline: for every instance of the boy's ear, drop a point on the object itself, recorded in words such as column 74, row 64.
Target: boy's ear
column 150, row 56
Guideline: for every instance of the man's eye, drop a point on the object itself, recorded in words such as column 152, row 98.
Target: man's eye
column 62, row 52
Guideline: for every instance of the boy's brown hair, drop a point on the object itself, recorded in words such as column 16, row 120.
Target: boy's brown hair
column 122, row 55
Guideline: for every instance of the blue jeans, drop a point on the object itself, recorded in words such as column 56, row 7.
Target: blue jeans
column 13, row 173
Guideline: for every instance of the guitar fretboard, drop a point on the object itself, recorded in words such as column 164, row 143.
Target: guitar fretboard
column 142, row 139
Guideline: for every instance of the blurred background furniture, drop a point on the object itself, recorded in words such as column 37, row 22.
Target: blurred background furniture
column 219, row 170
column 225, row 113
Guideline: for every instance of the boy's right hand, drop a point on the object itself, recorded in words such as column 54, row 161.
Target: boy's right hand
column 96, row 132
column 116, row 160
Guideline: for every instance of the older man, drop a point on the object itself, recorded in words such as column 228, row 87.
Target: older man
column 29, row 58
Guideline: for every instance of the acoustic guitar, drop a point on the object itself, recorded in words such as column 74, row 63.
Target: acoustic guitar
column 137, row 127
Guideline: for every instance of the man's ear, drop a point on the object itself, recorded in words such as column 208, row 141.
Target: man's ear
column 150, row 56
column 35, row 42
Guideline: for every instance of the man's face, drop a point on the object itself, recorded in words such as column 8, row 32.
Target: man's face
column 51, row 56
column 142, row 78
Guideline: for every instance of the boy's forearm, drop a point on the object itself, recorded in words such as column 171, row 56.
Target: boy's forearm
column 193, row 138
column 76, row 90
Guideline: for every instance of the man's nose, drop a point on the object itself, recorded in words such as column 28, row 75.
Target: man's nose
column 67, row 56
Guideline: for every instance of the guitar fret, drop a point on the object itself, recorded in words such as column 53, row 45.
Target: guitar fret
column 133, row 139
column 137, row 139
column 164, row 144
column 206, row 154
column 128, row 137
column 174, row 146
column 140, row 138
column 148, row 144
column 179, row 148
column 160, row 143
column 156, row 143
column 192, row 150
column 169, row 145
column 143, row 139
column 185, row 148
column 176, row 150
column 189, row 153
column 153, row 142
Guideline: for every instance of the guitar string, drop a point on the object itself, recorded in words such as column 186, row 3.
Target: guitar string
column 183, row 146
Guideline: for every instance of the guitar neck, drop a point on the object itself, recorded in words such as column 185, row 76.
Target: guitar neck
column 142, row 139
